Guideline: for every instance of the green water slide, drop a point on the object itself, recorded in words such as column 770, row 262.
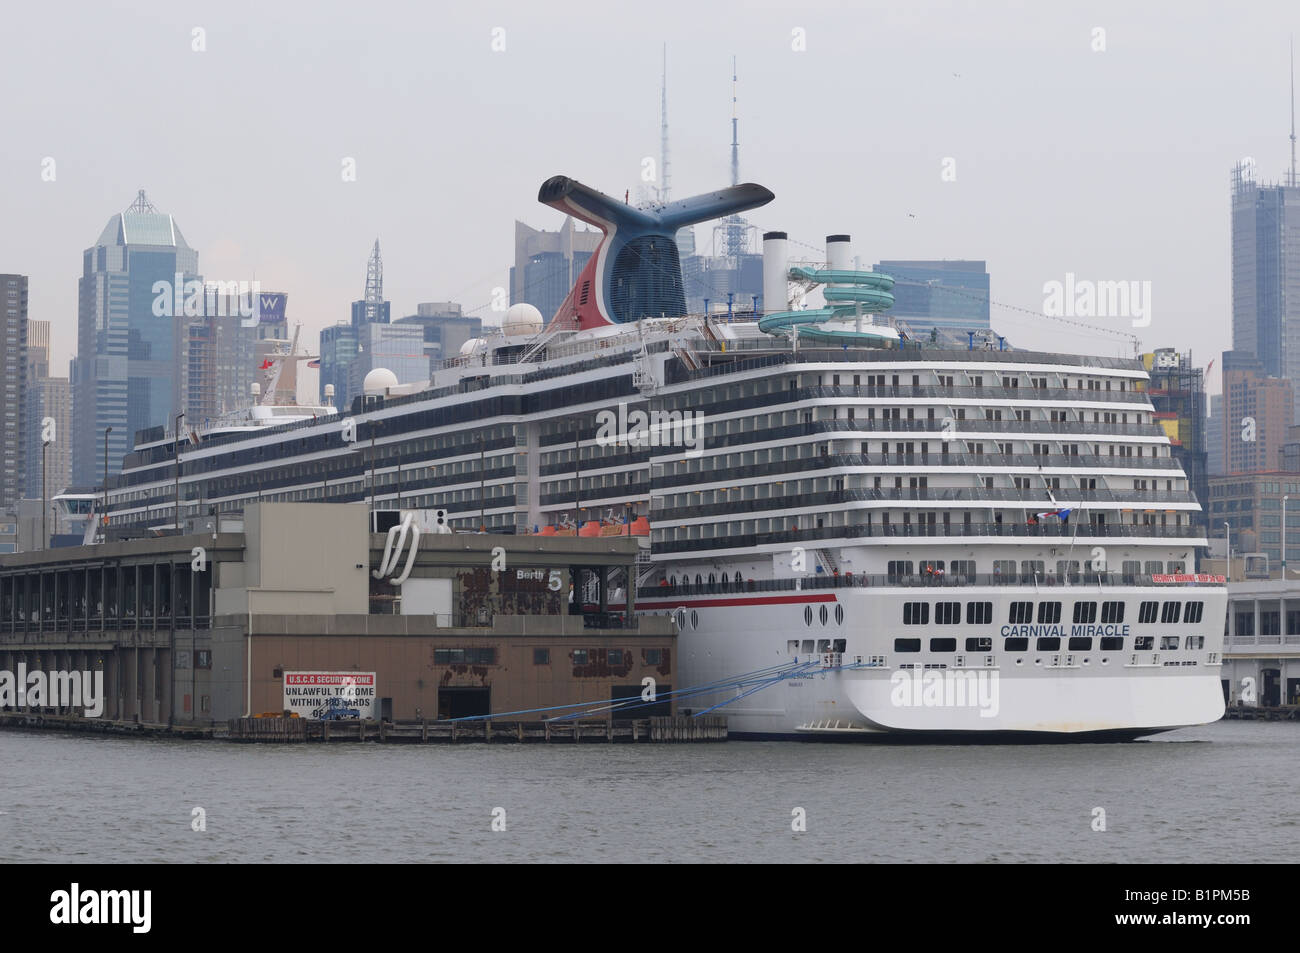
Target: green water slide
column 845, row 292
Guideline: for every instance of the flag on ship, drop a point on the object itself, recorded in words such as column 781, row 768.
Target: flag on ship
column 315, row 363
column 1061, row 514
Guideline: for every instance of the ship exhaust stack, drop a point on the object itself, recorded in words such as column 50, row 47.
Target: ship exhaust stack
column 776, row 261
column 837, row 253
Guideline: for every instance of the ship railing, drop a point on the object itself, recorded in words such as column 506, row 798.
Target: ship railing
column 1042, row 580
column 1050, row 528
column 1033, row 499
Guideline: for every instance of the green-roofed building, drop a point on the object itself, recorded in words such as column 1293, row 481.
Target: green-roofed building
column 128, row 368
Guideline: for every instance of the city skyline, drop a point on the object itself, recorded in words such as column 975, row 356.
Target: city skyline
column 1068, row 186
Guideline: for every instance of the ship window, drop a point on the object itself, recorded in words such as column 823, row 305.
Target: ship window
column 1170, row 611
column 1085, row 612
column 1080, row 644
column 541, row 656
column 1143, row 643
column 979, row 644
column 1049, row 613
column 1030, row 569
column 1195, row 611
column 1049, row 644
column 916, row 613
column 947, row 613
column 943, row 645
column 1112, row 612
column 907, row 645
column 1015, row 645
column 1021, row 613
column 1112, row 643
column 979, row 613
column 897, row 568
column 1156, row 567
column 1168, row 642
column 1147, row 612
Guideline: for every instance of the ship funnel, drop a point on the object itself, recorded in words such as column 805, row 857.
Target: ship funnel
column 837, row 253
column 776, row 257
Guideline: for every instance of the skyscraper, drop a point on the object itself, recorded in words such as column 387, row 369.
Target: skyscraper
column 1257, row 415
column 13, row 396
column 50, row 397
column 340, row 343
column 397, row 347
column 548, row 263
column 129, row 352
column 939, row 294
column 225, row 353
column 1177, row 390
column 1266, row 274
column 446, row 328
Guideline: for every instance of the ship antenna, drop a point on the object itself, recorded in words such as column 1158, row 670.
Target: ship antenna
column 663, row 132
column 374, row 285
column 735, row 144
column 1293, row 178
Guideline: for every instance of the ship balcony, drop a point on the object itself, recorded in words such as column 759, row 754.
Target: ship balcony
column 914, row 532
column 850, row 580
column 964, row 496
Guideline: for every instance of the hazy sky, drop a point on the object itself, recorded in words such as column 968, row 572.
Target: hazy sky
column 1110, row 165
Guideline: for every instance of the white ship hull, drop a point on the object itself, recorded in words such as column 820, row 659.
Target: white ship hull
column 871, row 690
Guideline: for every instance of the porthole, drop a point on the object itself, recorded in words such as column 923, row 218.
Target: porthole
column 807, row 615
column 695, row 619
column 823, row 614
column 681, row 619
column 839, row 615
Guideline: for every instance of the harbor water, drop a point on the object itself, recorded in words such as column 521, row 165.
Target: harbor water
column 1220, row 793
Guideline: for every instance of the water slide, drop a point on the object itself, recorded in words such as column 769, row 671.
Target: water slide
column 848, row 293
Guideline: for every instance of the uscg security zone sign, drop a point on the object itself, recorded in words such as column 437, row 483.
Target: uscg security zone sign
column 330, row 696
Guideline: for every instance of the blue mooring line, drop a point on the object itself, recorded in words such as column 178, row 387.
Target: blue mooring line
column 764, row 677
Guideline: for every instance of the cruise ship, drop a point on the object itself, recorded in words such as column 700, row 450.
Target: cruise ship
column 860, row 534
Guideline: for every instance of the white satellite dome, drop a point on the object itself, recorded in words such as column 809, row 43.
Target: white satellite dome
column 470, row 346
column 378, row 382
column 522, row 319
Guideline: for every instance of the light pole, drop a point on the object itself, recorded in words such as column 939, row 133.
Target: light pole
column 1227, row 536
column 374, row 425
column 45, row 539
column 1284, row 499
column 179, row 418
column 104, row 517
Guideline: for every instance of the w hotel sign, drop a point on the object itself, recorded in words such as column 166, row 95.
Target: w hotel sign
column 271, row 306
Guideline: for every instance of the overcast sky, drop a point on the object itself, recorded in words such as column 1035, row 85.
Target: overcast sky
column 1112, row 165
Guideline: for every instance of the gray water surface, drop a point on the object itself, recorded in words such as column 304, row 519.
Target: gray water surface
column 1222, row 793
